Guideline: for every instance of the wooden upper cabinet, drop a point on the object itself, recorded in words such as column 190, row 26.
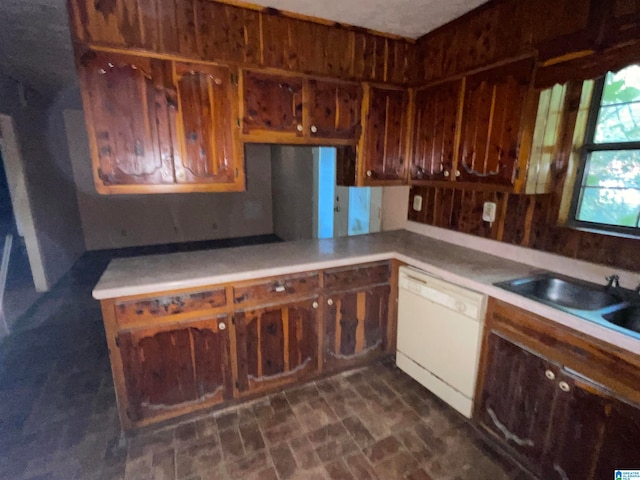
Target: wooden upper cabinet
column 128, row 119
column 157, row 126
column 281, row 108
column 384, row 158
column 271, row 103
column 496, row 114
column 435, row 122
column 334, row 109
column 209, row 151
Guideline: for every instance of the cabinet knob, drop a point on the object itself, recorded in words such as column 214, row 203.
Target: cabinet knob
column 279, row 288
column 369, row 173
column 299, row 127
column 315, row 304
column 550, row 375
column 314, row 129
column 222, row 326
column 329, row 302
column 564, row 386
column 457, row 173
column 445, row 173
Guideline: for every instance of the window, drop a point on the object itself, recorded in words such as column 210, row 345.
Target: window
column 607, row 194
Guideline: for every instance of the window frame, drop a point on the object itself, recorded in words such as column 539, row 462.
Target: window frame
column 589, row 146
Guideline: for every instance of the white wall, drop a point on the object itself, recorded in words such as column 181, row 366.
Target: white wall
column 116, row 221
column 49, row 184
column 292, row 181
column 395, row 205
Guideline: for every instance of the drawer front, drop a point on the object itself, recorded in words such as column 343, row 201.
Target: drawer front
column 263, row 292
column 357, row 276
column 137, row 311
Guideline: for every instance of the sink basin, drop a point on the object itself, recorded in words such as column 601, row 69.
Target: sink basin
column 563, row 292
column 628, row 318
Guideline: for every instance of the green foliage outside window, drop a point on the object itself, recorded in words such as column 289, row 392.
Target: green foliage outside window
column 610, row 188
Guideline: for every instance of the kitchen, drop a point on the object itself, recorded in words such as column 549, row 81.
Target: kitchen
column 474, row 202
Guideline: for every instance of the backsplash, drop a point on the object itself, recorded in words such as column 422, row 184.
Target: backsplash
column 524, row 220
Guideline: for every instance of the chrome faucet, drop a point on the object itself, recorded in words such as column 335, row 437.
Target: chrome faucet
column 613, row 281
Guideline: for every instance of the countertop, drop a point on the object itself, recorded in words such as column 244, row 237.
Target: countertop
column 463, row 266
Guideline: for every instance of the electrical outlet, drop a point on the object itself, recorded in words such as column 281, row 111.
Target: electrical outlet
column 489, row 212
column 417, row 203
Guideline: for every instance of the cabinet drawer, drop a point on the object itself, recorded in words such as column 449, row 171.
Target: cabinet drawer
column 135, row 311
column 349, row 278
column 268, row 291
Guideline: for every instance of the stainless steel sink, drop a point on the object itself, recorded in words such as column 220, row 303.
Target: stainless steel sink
column 613, row 307
column 628, row 318
column 563, row 292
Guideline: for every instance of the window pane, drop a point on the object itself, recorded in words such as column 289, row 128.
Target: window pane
column 618, row 123
column 610, row 206
column 613, row 168
column 622, row 86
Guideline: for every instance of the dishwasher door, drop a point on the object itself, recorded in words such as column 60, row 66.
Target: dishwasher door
column 439, row 335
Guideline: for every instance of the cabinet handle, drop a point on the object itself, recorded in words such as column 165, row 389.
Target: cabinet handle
column 279, row 288
column 315, row 304
column 314, row 129
column 369, row 173
column 457, row 173
column 550, row 375
column 222, row 326
column 445, row 173
column 299, row 127
column 329, row 302
column 564, row 386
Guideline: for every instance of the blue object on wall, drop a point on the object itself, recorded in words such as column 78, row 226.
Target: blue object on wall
column 326, row 190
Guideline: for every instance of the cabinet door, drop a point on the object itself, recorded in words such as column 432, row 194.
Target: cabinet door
column 271, row 103
column 355, row 325
column 171, row 370
column 594, row 433
column 206, row 126
column 334, row 109
column 128, row 119
column 436, row 119
column 276, row 345
column 385, row 134
column 516, row 397
column 494, row 103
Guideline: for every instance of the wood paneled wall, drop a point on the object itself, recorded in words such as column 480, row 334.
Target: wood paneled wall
column 213, row 31
column 522, row 220
column 571, row 40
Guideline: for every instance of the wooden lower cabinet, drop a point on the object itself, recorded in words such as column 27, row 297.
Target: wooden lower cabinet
column 169, row 370
column 539, row 401
column 276, row 345
column 355, row 325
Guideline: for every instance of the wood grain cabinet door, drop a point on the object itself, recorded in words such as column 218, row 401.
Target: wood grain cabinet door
column 517, row 397
column 128, row 119
column 435, row 122
column 493, row 119
column 170, row 370
column 334, row 109
column 271, row 103
column 385, row 134
column 276, row 345
column 355, row 325
column 207, row 129
column 594, row 432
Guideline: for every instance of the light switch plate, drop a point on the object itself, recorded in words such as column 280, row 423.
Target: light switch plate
column 489, row 212
column 417, row 203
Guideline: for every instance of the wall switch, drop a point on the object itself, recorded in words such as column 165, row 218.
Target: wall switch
column 489, row 212
column 417, row 203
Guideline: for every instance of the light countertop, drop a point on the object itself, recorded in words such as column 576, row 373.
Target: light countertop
column 466, row 267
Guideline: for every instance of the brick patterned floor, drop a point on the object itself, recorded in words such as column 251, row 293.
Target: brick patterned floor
column 58, row 418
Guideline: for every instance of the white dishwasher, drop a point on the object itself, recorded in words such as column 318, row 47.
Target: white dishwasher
column 439, row 336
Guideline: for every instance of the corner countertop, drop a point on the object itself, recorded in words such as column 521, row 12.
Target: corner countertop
column 466, row 267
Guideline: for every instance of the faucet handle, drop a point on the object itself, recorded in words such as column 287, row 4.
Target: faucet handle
column 613, row 281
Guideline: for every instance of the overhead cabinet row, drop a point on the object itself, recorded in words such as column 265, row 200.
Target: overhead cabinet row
column 169, row 126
